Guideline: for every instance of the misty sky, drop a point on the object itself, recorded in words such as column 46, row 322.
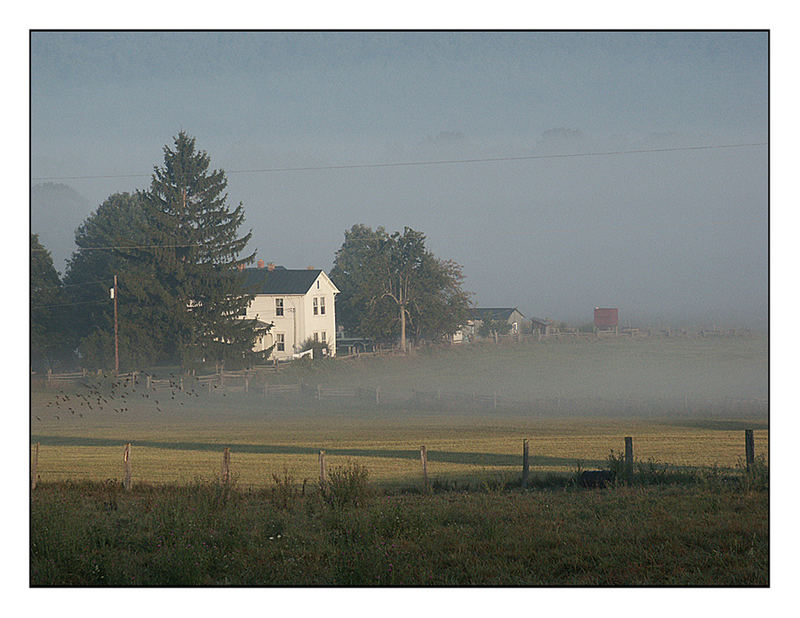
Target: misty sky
column 676, row 237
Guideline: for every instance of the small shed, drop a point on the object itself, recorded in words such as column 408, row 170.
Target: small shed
column 606, row 318
column 511, row 315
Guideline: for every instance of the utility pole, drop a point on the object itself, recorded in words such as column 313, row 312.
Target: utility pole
column 116, row 328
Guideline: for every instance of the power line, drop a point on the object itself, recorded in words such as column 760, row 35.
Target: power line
column 86, row 302
column 268, row 170
column 127, row 247
column 67, row 285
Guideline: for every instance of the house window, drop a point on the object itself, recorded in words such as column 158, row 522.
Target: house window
column 324, row 337
column 316, row 305
column 316, row 336
column 278, row 306
column 322, row 305
column 279, row 342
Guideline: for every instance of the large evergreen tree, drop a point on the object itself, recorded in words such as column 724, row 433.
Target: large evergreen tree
column 198, row 256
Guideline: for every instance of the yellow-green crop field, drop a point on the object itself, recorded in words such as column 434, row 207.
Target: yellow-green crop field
column 183, row 439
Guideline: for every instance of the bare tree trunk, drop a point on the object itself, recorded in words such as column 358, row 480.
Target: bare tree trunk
column 403, row 327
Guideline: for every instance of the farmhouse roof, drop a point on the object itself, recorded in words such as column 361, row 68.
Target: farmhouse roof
column 280, row 280
column 494, row 313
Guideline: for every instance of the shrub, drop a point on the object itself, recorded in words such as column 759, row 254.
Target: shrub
column 321, row 348
column 652, row 472
column 757, row 477
column 347, row 486
column 615, row 463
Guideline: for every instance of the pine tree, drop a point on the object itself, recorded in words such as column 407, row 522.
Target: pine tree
column 198, row 260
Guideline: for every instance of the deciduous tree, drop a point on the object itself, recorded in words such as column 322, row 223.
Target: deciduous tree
column 392, row 286
column 49, row 346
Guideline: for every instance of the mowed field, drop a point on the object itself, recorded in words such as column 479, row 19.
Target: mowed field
column 179, row 436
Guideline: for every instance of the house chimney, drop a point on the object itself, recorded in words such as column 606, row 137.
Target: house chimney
column 270, row 266
column 261, row 263
column 309, row 268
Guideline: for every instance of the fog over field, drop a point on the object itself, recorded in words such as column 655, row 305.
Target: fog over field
column 685, row 401
column 624, row 169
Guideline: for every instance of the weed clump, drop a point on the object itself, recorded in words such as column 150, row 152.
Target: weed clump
column 756, row 478
column 347, row 486
column 285, row 493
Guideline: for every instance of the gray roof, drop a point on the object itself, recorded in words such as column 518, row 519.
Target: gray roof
column 279, row 281
column 494, row 313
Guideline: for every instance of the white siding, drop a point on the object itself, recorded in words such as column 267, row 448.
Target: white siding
column 298, row 322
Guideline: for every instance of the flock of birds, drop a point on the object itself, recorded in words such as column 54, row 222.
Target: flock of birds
column 118, row 394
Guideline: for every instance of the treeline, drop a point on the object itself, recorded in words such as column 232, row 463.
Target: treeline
column 176, row 250
column 177, row 254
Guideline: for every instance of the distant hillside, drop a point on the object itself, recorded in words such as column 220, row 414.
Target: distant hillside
column 56, row 210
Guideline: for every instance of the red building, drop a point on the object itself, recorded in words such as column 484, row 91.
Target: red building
column 606, row 319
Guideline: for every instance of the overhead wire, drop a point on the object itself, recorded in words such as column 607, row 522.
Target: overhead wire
column 128, row 247
column 434, row 162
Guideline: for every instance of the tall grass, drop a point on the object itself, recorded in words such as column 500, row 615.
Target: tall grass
column 702, row 533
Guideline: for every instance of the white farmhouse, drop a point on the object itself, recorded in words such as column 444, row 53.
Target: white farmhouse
column 299, row 303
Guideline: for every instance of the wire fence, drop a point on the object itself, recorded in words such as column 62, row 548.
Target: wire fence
column 50, row 462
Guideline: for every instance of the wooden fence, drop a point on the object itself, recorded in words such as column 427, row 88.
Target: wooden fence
column 226, row 471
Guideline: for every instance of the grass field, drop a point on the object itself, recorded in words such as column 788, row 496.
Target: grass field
column 97, row 535
column 181, row 439
column 691, row 517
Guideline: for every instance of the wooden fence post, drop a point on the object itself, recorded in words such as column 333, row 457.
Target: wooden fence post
column 629, row 459
column 494, row 400
column 323, row 477
column 35, row 466
column 525, row 468
column 246, row 384
column 181, row 386
column 126, row 459
column 225, row 475
column 423, row 454
column 749, row 448
column 377, row 395
column 319, row 392
column 148, row 381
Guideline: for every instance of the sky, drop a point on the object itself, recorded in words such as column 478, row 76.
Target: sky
column 584, row 169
